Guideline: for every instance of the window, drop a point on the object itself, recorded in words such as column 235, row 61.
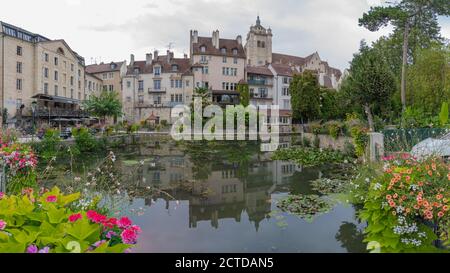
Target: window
column 286, row 104
column 71, row 80
column 64, row 92
column 205, row 70
column 45, row 88
column 157, row 71
column 235, row 51
column 128, row 84
column 45, row 72
column 111, row 87
column 56, row 60
column 56, row 75
column 79, row 73
column 187, row 83
column 18, row 103
column 223, row 50
column 263, row 44
column 140, row 99
column 178, row 83
column 111, row 75
column 105, row 88
column 203, row 48
column 285, row 91
column 235, row 60
column 174, row 68
column 203, row 59
column 157, row 84
column 224, row 60
column 71, row 67
column 141, row 86
column 79, row 84
column 46, row 57
column 136, row 70
column 56, row 90
column 19, row 67
column 285, row 80
column 19, row 51
column 19, row 84
column 71, row 93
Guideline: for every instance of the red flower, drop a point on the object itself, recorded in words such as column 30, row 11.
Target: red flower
column 124, row 222
column 95, row 216
column 75, row 217
column 110, row 223
column 51, row 199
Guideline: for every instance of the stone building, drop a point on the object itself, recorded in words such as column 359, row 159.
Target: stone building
column 40, row 79
column 152, row 87
column 218, row 65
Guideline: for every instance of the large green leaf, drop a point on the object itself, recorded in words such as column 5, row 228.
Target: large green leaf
column 82, row 230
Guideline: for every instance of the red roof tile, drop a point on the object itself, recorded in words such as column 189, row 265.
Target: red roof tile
column 101, row 68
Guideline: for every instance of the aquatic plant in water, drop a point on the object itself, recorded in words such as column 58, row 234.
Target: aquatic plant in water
column 305, row 206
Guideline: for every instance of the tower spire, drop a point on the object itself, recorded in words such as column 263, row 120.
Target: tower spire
column 258, row 21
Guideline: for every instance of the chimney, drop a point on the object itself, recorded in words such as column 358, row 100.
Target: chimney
column 215, row 39
column 194, row 35
column 148, row 58
column 155, row 55
column 169, row 57
column 239, row 39
column 185, row 56
column 131, row 59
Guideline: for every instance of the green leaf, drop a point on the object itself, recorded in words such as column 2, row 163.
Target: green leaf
column 56, row 216
column 82, row 229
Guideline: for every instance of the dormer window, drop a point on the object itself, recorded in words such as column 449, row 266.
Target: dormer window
column 223, row 50
column 113, row 66
column 203, row 48
column 136, row 70
column 235, row 51
column 174, row 68
column 157, row 70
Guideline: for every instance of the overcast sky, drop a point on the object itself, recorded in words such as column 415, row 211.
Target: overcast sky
column 106, row 30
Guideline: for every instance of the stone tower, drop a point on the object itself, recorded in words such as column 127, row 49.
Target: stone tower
column 258, row 47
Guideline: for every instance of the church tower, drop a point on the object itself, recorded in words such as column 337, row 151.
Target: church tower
column 258, row 47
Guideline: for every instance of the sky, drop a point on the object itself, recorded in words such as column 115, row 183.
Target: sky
column 111, row 30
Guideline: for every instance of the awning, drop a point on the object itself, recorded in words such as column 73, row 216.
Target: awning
column 46, row 97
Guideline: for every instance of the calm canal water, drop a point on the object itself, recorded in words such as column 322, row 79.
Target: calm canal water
column 222, row 197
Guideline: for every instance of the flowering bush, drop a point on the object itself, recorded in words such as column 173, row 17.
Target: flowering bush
column 20, row 163
column 407, row 206
column 47, row 222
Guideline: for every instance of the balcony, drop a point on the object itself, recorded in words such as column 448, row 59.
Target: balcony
column 154, row 90
column 60, row 112
column 260, row 96
column 152, row 105
column 260, row 82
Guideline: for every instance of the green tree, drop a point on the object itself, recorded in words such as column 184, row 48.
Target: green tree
column 370, row 81
column 105, row 105
column 414, row 20
column 244, row 94
column 429, row 79
column 305, row 96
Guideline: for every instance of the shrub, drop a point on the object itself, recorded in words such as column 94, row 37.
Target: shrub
column 20, row 166
column 50, row 222
column 316, row 127
column 306, row 142
column 334, row 128
column 360, row 139
column 84, row 140
column 49, row 146
column 164, row 123
column 407, row 205
column 309, row 156
column 316, row 141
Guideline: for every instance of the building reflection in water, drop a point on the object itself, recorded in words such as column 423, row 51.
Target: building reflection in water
column 226, row 189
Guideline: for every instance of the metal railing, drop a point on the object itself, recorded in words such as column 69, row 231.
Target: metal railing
column 155, row 90
column 57, row 112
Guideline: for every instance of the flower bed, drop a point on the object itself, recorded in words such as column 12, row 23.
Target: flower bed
column 51, row 222
column 407, row 206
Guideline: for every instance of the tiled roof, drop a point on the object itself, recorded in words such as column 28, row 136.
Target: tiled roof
column 229, row 44
column 259, row 70
column 283, row 70
column 183, row 66
column 287, row 59
column 102, row 68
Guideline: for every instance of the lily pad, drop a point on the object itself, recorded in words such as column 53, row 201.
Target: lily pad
column 329, row 186
column 304, row 206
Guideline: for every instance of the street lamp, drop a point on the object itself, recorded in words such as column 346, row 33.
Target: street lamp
column 33, row 110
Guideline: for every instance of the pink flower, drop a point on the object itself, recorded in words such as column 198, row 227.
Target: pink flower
column 110, row 223
column 95, row 216
column 2, row 224
column 136, row 229
column 44, row 250
column 111, row 234
column 124, row 222
column 32, row 249
column 75, row 217
column 2, row 194
column 129, row 236
column 99, row 243
column 51, row 199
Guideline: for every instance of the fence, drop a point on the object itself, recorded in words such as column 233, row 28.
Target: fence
column 403, row 140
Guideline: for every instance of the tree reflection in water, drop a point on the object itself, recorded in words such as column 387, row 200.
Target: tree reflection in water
column 351, row 238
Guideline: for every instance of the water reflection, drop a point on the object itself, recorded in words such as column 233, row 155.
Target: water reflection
column 222, row 196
